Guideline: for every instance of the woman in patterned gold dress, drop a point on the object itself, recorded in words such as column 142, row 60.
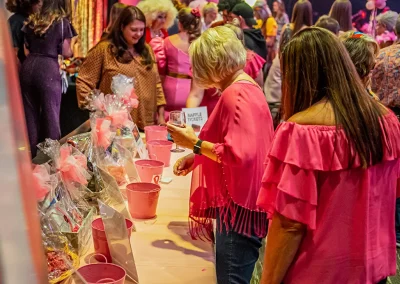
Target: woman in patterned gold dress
column 125, row 52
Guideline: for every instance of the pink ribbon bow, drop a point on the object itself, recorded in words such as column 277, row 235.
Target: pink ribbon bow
column 72, row 166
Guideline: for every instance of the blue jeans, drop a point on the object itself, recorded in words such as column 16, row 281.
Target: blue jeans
column 236, row 256
column 397, row 219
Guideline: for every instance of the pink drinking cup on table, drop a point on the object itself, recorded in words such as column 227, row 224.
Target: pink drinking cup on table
column 103, row 273
column 150, row 170
column 155, row 132
column 160, row 150
column 100, row 239
column 143, row 199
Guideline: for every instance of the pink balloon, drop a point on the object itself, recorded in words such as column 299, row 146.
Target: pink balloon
column 370, row 5
column 381, row 4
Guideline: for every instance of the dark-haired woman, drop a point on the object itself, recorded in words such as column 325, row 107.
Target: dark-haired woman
column 342, row 11
column 173, row 59
column 281, row 18
column 332, row 172
column 21, row 9
column 125, row 51
column 48, row 34
column 302, row 17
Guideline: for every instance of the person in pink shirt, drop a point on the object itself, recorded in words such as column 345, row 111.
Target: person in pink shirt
column 228, row 156
column 331, row 174
column 173, row 59
column 254, row 68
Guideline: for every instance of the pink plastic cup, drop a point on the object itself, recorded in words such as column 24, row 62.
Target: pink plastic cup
column 100, row 239
column 150, row 170
column 103, row 273
column 160, row 150
column 143, row 199
column 155, row 132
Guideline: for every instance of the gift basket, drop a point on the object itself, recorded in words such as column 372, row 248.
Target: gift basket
column 61, row 185
column 112, row 130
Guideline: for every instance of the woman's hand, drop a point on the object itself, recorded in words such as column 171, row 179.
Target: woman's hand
column 183, row 136
column 184, row 165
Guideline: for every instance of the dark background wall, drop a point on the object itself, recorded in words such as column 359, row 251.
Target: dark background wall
column 322, row 7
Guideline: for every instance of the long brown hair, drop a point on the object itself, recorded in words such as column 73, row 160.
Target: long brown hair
column 302, row 15
column 190, row 20
column 327, row 72
column 341, row 11
column 282, row 10
column 118, row 46
column 51, row 12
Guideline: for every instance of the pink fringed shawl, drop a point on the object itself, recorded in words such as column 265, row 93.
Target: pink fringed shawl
column 241, row 128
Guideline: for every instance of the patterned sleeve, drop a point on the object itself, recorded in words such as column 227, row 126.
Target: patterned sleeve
column 90, row 72
column 378, row 75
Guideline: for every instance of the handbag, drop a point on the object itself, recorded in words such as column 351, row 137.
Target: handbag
column 63, row 73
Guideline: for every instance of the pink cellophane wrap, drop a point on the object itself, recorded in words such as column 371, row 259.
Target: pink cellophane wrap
column 43, row 182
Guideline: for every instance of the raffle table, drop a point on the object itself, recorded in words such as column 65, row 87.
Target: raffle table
column 163, row 249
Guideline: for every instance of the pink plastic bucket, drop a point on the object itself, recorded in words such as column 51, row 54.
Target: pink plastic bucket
column 100, row 239
column 160, row 150
column 103, row 273
column 143, row 199
column 150, row 170
column 155, row 132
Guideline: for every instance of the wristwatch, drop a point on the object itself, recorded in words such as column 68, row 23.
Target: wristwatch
column 197, row 147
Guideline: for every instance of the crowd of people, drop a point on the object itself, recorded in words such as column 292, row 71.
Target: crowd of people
column 301, row 144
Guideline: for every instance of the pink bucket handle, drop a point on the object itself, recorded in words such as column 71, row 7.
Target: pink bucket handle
column 153, row 155
column 98, row 254
column 106, row 280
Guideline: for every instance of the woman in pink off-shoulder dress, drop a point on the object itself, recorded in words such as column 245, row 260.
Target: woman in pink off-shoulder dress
column 173, row 59
column 332, row 172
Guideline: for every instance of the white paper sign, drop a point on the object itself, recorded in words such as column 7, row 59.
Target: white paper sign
column 196, row 117
column 141, row 148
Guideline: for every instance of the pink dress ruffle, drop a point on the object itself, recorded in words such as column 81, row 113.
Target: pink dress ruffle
column 158, row 46
column 254, row 64
column 349, row 212
column 230, row 188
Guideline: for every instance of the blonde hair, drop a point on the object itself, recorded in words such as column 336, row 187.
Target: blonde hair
column 208, row 8
column 151, row 9
column 363, row 51
column 216, row 55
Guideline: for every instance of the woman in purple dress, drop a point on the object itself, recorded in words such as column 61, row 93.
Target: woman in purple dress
column 48, row 34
